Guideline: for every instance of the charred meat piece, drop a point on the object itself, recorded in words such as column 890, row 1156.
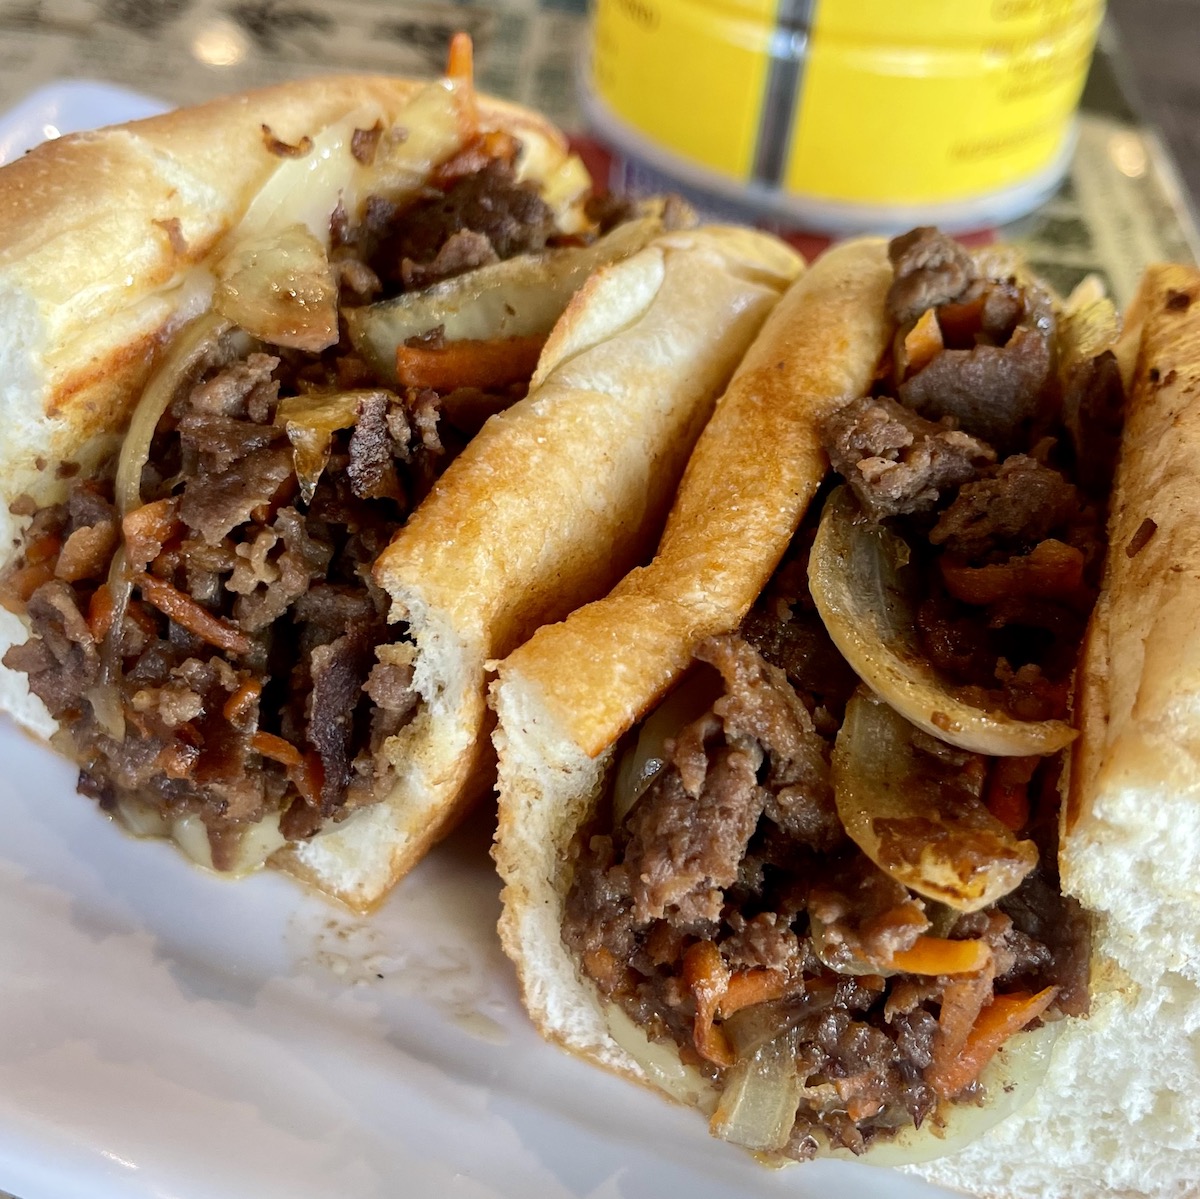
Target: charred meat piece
column 1013, row 509
column 930, row 269
column 992, row 392
column 897, row 462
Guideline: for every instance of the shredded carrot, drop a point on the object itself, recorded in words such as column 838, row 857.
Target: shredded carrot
column 1001, row 1019
column 1007, row 795
column 707, row 976
column 962, row 1001
column 308, row 777
column 237, row 704
column 188, row 614
column 148, row 528
column 43, row 549
column 275, row 748
column 1051, row 569
column 176, row 761
column 605, row 967
column 480, row 364
column 20, row 584
column 960, row 322
column 748, row 987
column 483, row 149
column 923, row 343
column 460, row 64
column 100, row 612
column 938, row 955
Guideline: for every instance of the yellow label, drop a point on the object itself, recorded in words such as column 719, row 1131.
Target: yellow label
column 688, row 74
column 870, row 101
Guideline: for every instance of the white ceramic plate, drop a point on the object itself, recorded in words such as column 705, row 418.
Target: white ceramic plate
column 166, row 1033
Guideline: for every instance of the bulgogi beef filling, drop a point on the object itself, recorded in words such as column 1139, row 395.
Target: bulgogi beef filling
column 727, row 908
column 737, row 846
column 252, row 673
column 993, row 468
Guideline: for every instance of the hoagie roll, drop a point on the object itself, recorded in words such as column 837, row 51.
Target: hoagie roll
column 820, row 892
column 247, row 340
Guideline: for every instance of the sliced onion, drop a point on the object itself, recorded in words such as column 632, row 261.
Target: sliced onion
column 757, row 1108
column 1009, row 1082
column 944, row 845
column 191, row 349
column 520, row 297
column 194, row 347
column 862, row 587
column 752, row 1027
column 642, row 763
column 836, row 957
column 278, row 287
column 660, row 1063
column 310, row 422
column 1089, row 325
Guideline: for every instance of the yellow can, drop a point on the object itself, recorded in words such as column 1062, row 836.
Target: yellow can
column 848, row 113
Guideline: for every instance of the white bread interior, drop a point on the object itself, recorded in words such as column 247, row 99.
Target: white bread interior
column 546, row 508
column 1119, row 1111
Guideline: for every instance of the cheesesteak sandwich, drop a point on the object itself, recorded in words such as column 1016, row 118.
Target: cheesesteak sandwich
column 780, row 819
column 244, row 343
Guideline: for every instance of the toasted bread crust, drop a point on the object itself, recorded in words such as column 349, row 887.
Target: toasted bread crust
column 737, row 508
column 545, row 509
column 100, row 232
column 565, row 696
column 1119, row 1101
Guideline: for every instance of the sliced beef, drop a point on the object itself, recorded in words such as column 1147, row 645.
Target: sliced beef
column 490, row 203
column 759, row 709
column 88, row 506
column 767, row 940
column 216, row 504
column 929, row 269
column 795, row 640
column 991, row 392
column 1018, row 505
column 897, row 462
column 598, row 918
column 230, row 392
column 372, row 467
column 390, row 688
column 866, row 916
column 242, row 555
column 223, row 440
column 357, row 283
column 338, row 671
column 464, row 250
column 63, row 660
column 684, row 849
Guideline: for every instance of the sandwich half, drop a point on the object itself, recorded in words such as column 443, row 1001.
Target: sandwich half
column 244, row 342
column 898, row 868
